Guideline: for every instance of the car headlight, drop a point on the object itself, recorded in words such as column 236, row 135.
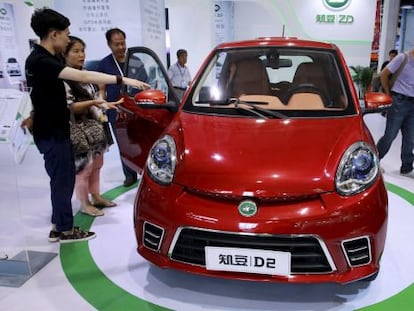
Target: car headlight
column 162, row 160
column 357, row 170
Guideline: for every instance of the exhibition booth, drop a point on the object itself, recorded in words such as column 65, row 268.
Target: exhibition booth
column 107, row 273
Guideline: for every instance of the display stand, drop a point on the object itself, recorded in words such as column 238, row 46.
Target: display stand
column 17, row 263
column 14, row 272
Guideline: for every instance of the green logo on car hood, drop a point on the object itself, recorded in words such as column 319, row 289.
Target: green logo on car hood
column 247, row 208
column 336, row 4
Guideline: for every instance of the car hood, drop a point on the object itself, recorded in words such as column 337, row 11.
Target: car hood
column 278, row 158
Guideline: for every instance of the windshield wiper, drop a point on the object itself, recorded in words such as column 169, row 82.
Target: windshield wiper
column 255, row 105
column 228, row 101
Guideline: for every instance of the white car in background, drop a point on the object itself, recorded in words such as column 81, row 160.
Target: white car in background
column 13, row 67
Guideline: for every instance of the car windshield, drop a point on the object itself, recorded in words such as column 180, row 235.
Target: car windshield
column 272, row 82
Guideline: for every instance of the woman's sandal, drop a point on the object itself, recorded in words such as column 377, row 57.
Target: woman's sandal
column 103, row 203
column 91, row 211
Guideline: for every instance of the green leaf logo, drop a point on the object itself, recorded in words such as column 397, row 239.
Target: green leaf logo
column 247, row 208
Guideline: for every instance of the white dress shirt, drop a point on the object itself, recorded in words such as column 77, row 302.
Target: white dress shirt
column 180, row 76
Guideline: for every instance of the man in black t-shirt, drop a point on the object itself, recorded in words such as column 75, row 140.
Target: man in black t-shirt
column 45, row 73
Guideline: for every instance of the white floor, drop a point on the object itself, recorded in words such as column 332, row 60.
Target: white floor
column 24, row 225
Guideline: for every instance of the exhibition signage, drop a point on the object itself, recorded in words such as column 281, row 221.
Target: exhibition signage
column 10, row 64
column 347, row 23
column 223, row 21
column 144, row 24
column 335, row 5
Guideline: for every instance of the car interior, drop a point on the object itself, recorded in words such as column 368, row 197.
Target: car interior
column 294, row 80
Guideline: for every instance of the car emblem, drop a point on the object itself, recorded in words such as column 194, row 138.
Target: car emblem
column 247, row 208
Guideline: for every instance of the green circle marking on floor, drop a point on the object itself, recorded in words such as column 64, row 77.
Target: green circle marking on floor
column 92, row 284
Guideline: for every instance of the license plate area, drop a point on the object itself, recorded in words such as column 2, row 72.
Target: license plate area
column 247, row 260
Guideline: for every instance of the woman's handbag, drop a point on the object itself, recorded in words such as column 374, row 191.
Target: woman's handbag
column 78, row 138
column 87, row 135
column 100, row 115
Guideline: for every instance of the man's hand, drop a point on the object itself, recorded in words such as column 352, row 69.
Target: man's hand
column 28, row 123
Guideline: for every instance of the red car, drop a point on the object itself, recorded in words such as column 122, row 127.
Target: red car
column 265, row 171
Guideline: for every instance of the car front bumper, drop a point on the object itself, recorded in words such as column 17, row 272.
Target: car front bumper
column 331, row 238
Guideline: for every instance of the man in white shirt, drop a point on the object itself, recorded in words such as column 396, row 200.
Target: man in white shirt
column 179, row 74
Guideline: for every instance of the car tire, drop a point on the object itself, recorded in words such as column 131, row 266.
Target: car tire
column 370, row 278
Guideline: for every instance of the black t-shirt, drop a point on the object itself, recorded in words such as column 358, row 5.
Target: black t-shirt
column 51, row 113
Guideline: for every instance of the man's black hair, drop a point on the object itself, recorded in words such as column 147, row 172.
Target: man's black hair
column 393, row 51
column 44, row 20
column 181, row 52
column 110, row 32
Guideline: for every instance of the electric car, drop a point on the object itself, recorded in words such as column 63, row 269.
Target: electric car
column 264, row 171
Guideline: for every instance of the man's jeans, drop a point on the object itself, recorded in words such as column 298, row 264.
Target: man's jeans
column 60, row 166
column 400, row 116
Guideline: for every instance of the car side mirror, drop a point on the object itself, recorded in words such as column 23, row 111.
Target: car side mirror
column 154, row 99
column 150, row 97
column 376, row 102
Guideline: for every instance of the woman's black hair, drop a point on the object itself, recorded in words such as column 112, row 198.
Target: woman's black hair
column 79, row 93
column 72, row 42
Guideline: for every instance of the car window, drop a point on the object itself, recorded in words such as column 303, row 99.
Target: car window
column 296, row 81
column 144, row 67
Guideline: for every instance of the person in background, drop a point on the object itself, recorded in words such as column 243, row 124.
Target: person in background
column 400, row 116
column 45, row 72
column 114, row 64
column 84, row 102
column 376, row 79
column 391, row 54
column 179, row 74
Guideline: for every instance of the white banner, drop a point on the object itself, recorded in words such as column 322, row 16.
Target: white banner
column 89, row 20
column 347, row 23
column 11, row 66
column 143, row 22
column 223, row 21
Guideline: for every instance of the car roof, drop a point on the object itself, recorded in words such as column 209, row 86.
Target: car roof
column 277, row 41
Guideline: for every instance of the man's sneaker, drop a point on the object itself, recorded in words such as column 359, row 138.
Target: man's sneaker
column 77, row 235
column 54, row 236
column 409, row 174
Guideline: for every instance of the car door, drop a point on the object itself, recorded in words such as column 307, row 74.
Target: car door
column 143, row 117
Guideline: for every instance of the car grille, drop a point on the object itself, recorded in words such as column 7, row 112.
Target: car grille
column 358, row 251
column 307, row 254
